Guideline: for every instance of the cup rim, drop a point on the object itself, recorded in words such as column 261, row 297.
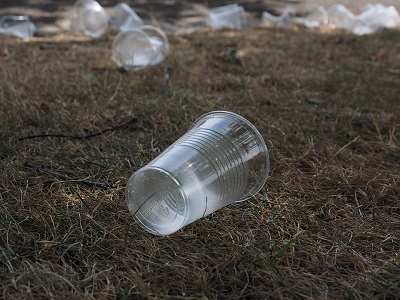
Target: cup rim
column 257, row 188
column 224, row 8
column 78, row 5
column 160, row 32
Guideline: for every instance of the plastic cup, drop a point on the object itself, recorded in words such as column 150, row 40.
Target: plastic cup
column 221, row 159
column 91, row 19
column 374, row 18
column 282, row 21
column 123, row 17
column 315, row 17
column 340, row 17
column 133, row 50
column 159, row 41
column 228, row 16
column 18, row 26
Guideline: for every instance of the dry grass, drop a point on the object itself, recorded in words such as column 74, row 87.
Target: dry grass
column 325, row 226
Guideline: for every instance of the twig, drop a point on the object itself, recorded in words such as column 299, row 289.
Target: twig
column 131, row 159
column 205, row 210
column 79, row 137
column 345, row 146
column 65, row 177
column 140, row 206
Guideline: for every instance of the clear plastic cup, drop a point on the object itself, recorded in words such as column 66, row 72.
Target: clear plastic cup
column 18, row 26
column 221, row 159
column 136, row 48
column 228, row 16
column 315, row 17
column 374, row 18
column 340, row 17
column 133, row 50
column 160, row 42
column 90, row 18
column 123, row 17
column 284, row 20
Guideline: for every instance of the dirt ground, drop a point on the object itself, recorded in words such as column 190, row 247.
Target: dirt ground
column 74, row 127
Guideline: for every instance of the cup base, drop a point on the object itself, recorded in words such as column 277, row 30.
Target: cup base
column 156, row 201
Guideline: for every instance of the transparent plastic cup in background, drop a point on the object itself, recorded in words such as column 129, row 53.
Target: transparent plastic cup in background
column 228, row 16
column 134, row 49
column 18, row 26
column 376, row 17
column 221, row 159
column 123, row 17
column 160, row 42
column 90, row 18
column 315, row 17
column 284, row 20
column 340, row 17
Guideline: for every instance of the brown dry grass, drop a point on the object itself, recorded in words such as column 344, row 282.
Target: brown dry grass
column 325, row 226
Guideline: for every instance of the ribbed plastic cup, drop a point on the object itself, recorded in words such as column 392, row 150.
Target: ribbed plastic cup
column 221, row 159
column 132, row 49
column 228, row 16
column 90, row 17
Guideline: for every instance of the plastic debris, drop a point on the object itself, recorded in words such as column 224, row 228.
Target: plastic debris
column 228, row 16
column 282, row 21
column 374, row 18
column 137, row 48
column 221, row 159
column 340, row 17
column 18, row 26
column 123, row 17
column 315, row 17
column 89, row 18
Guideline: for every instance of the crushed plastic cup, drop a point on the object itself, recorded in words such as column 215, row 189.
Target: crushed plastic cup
column 376, row 17
column 18, row 26
column 132, row 49
column 228, row 16
column 160, row 42
column 123, row 17
column 90, row 18
column 340, row 17
column 284, row 20
column 315, row 17
column 221, row 159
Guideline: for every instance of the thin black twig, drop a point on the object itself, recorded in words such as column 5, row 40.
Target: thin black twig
column 140, row 206
column 79, row 137
column 205, row 210
column 65, row 177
